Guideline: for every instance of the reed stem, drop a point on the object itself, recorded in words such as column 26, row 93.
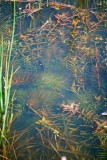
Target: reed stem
column 5, row 85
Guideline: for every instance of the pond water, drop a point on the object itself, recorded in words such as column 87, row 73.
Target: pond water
column 59, row 86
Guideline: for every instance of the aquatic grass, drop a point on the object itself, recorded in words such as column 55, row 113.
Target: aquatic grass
column 52, row 81
column 68, row 142
column 19, row 144
column 5, row 87
column 102, row 153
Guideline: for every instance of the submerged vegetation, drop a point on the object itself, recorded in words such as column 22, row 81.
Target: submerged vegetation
column 52, row 82
column 53, row 74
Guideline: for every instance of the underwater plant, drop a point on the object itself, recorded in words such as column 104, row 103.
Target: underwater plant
column 23, row 78
column 43, row 97
column 63, row 128
column 34, row 99
column 52, row 81
column 72, row 108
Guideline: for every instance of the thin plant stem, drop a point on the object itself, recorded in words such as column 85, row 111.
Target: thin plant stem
column 8, row 80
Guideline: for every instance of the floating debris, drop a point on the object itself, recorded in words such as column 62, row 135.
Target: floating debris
column 104, row 113
column 63, row 158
